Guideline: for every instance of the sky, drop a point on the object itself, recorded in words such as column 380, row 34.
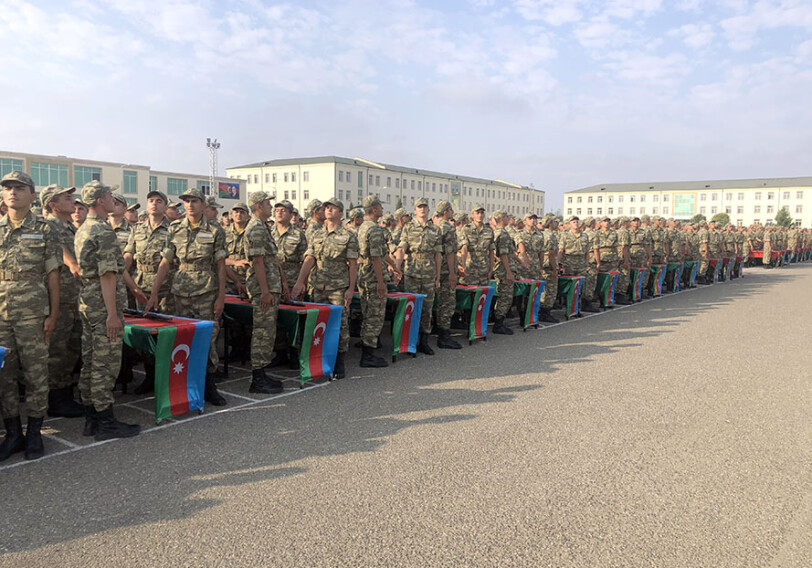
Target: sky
column 557, row 94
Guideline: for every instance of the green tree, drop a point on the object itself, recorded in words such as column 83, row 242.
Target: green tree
column 698, row 217
column 721, row 218
column 351, row 206
column 782, row 218
column 399, row 204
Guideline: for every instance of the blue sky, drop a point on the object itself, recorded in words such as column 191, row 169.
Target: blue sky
column 559, row 94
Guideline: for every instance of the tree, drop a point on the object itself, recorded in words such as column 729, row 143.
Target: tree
column 699, row 217
column 721, row 218
column 782, row 218
column 399, row 204
column 351, row 206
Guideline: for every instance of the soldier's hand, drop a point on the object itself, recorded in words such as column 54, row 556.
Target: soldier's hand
column 266, row 300
column 48, row 327
column 219, row 306
column 381, row 289
column 75, row 271
column 114, row 326
column 140, row 297
column 242, row 291
column 452, row 281
column 397, row 276
column 150, row 304
column 298, row 289
column 461, row 270
column 436, row 283
column 626, row 265
column 347, row 298
column 285, row 291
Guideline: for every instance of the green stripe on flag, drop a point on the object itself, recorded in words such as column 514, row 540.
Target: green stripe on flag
column 397, row 327
column 163, row 353
column 474, row 315
column 307, row 338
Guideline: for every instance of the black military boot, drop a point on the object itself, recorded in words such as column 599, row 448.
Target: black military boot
column 210, row 393
column 34, row 449
column 338, row 371
column 444, row 340
column 500, row 328
column 281, row 357
column 622, row 300
column 108, row 427
column 61, row 403
column 369, row 359
column 423, row 344
column 586, row 306
column 546, row 316
column 148, row 384
column 14, row 441
column 262, row 383
column 90, row 421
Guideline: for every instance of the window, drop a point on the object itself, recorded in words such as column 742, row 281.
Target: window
column 306, row 194
column 740, row 196
column 758, row 196
column 287, row 194
column 714, row 210
column 131, row 200
column 273, row 177
column 286, row 177
column 611, row 199
column 256, row 180
column 631, row 211
column 642, row 210
column 620, row 210
column 631, row 199
column 757, row 209
column 175, row 186
column 578, row 200
column 728, row 209
column 203, row 186
column 153, row 183
column 305, row 176
column 420, row 186
column 569, row 211
column 130, row 182
column 340, row 175
column 412, row 185
column 600, row 210
column 84, row 174
column 8, row 165
column 569, row 199
column 589, row 199
column 433, row 187
column 46, row 174
column 785, row 208
column 665, row 210
column 769, row 209
column 740, row 209
column 293, row 176
column 388, row 198
column 578, row 211
column 388, row 181
column 360, row 194
column 378, row 181
column 703, row 197
column 589, row 211
column 770, row 195
column 267, row 178
column 757, row 221
column 739, row 223
column 610, row 211
column 293, row 194
column 397, row 183
column 360, row 179
column 653, row 210
column 785, row 195
column 620, row 199
column 703, row 210
column 665, row 199
column 799, row 208
column 714, row 196
column 642, row 199
column 341, row 194
column 799, row 195
column 600, row 199
column 371, row 179
column 655, row 198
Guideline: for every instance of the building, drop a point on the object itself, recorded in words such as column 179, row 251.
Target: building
column 746, row 201
column 134, row 181
column 301, row 179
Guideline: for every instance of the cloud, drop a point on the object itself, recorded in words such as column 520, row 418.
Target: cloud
column 742, row 30
column 600, row 34
column 552, row 12
column 696, row 35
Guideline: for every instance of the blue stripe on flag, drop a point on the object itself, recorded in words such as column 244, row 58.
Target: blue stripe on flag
column 198, row 360
column 329, row 349
column 414, row 323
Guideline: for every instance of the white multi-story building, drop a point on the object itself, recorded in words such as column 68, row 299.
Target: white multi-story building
column 301, row 179
column 134, row 181
column 745, row 201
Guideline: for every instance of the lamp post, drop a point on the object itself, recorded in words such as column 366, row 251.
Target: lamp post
column 213, row 146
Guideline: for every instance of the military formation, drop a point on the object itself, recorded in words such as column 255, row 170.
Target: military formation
column 68, row 271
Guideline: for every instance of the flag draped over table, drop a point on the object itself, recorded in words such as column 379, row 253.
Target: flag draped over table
column 531, row 311
column 321, row 322
column 482, row 297
column 406, row 322
column 637, row 277
column 569, row 288
column 607, row 281
column 674, row 276
column 717, row 268
column 2, row 356
column 181, row 352
column 659, row 276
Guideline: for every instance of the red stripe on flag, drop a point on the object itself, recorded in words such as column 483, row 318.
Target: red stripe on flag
column 314, row 360
column 479, row 315
column 178, row 369
column 406, row 330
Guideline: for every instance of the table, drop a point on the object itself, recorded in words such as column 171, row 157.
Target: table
column 524, row 288
column 313, row 329
column 181, row 350
column 717, row 268
column 637, row 278
column 692, row 266
column 607, row 282
column 476, row 300
column 656, row 287
column 673, row 276
column 569, row 290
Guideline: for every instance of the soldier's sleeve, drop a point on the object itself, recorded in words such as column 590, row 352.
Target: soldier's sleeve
column 352, row 246
column 53, row 248
column 309, row 250
column 108, row 252
column 438, row 244
column 254, row 241
column 302, row 248
column 451, row 243
column 377, row 242
column 220, row 250
column 169, row 252
column 404, row 239
column 130, row 246
column 561, row 244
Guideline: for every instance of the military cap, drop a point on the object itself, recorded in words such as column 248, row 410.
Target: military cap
column 604, row 218
column 37, row 211
column 571, row 218
column 401, row 212
column 177, row 204
column 118, row 197
column 421, row 201
column 295, row 211
column 92, row 191
column 498, row 214
column 633, row 218
column 211, row 201
column 192, row 193
column 388, row 218
column 644, row 218
column 477, row 207
column 355, row 213
column 545, row 222
column 156, row 193
column 143, row 215
column 530, row 216
column 286, row 204
column 312, row 206
column 47, row 194
column 442, row 207
column 241, row 206
column 335, row 202
column 460, row 217
column 17, row 176
column 370, row 201
column 134, row 207
column 257, row 197
column 588, row 220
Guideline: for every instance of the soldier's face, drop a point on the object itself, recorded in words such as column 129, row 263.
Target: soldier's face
column 332, row 213
column 478, row 215
column 422, row 212
column 156, row 206
column 62, row 204
column 79, row 213
column 119, row 208
column 530, row 223
column 107, row 203
column 281, row 214
column 574, row 225
column 17, row 195
column 172, row 213
column 239, row 216
column 194, row 208
column 319, row 214
column 131, row 215
column 635, row 225
column 605, row 225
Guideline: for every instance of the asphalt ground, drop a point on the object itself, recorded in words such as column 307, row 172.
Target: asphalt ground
column 674, row 432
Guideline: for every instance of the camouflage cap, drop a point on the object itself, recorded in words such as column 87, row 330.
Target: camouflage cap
column 571, row 218
column 547, row 221
column 17, row 176
column 211, row 201
column 530, row 215
column 286, row 204
column 499, row 214
column 401, row 212
column 143, row 215
column 312, row 206
column 460, row 217
column 388, row 218
column 605, row 218
column 257, row 197
column 421, row 201
column 118, row 197
column 477, row 207
column 241, row 206
column 134, row 207
column 588, row 221
column 633, row 218
column 156, row 193
column 92, row 191
column 644, row 218
column 335, row 202
column 295, row 211
column 442, row 207
column 47, row 194
column 192, row 193
column 370, row 201
column 355, row 213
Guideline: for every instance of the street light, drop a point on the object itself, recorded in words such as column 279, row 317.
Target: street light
column 213, row 146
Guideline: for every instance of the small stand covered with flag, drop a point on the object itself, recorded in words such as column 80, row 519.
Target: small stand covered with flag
column 657, row 272
column 476, row 300
column 673, row 276
column 530, row 291
column 637, row 277
column 607, row 282
column 406, row 312
column 716, row 265
column 569, row 290
column 727, row 265
column 691, row 268
column 736, row 271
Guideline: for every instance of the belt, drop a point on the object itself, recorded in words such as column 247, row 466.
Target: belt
column 195, row 266
column 148, row 266
column 9, row 276
column 290, row 264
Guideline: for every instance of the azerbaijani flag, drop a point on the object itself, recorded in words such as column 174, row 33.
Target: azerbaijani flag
column 531, row 312
column 569, row 287
column 406, row 322
column 638, row 277
column 659, row 276
column 717, row 267
column 322, row 328
column 607, row 282
column 2, row 356
column 676, row 269
column 181, row 349
column 480, row 310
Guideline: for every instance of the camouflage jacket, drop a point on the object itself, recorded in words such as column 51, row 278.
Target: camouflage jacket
column 533, row 242
column 608, row 245
column 592, row 243
column 479, row 242
column 659, row 242
column 420, row 243
column 573, row 244
column 550, row 244
column 371, row 243
column 123, row 232
column 449, row 243
column 146, row 245
column 291, row 247
column 98, row 252
column 68, row 285
column 234, row 248
column 332, row 250
column 197, row 250
column 638, row 240
column 258, row 241
column 505, row 246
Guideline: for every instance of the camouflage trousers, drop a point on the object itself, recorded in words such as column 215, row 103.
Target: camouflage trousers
column 474, row 278
column 263, row 336
column 414, row 285
column 374, row 310
column 446, row 303
column 591, row 282
column 550, row 289
column 26, row 347
column 201, row 307
column 574, row 265
column 336, row 298
column 65, row 346
column 767, row 254
column 101, row 358
column 504, row 294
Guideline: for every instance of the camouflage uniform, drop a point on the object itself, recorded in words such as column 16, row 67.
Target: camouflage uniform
column 504, row 245
column 146, row 245
column 123, row 232
column 234, row 248
column 608, row 244
column 533, row 242
column 591, row 272
column 638, row 241
column 703, row 237
column 28, row 253
column 446, row 297
column 312, row 280
column 480, row 242
column 623, row 240
column 98, row 252
column 574, row 247
column 420, row 243
column 291, row 246
column 371, row 243
column 547, row 271
column 258, row 241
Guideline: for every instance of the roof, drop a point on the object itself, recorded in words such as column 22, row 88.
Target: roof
column 359, row 162
column 697, row 185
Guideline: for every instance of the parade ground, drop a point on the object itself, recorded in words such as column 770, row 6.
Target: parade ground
column 674, row 432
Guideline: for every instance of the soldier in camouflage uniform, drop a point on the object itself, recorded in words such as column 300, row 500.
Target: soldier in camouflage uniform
column 199, row 286
column 212, row 208
column 315, row 221
column 30, row 255
column 79, row 213
column 264, row 284
column 447, row 292
column 591, row 281
column 703, row 236
column 460, row 221
column 572, row 254
column 504, row 271
column 401, row 218
column 549, row 269
column 101, row 303
column 371, row 282
column 715, row 247
column 333, row 251
column 477, row 249
column 530, row 248
column 421, row 245
column 609, row 253
column 354, row 219
column 65, row 346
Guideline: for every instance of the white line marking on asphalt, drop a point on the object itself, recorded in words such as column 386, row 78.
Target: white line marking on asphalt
column 56, row 438
column 238, row 395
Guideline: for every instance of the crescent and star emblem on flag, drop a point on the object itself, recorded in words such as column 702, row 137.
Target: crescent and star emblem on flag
column 178, row 367
column 323, row 327
column 408, row 311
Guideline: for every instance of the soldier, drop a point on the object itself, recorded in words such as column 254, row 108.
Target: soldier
column 131, row 214
column 333, row 251
column 212, row 208
column 79, row 213
column 199, row 286
column 572, row 254
column 609, row 253
column 30, row 255
column 703, row 237
column 504, row 271
column 173, row 211
column 401, row 218
column 447, row 292
column 315, row 221
column 477, row 250
column 715, row 246
column 101, row 302
column 421, row 244
column 639, row 245
column 530, row 248
column 118, row 223
column 236, row 260
column 549, row 268
column 354, row 219
column 225, row 219
column 592, row 262
column 371, row 283
column 264, row 283
column 65, row 346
